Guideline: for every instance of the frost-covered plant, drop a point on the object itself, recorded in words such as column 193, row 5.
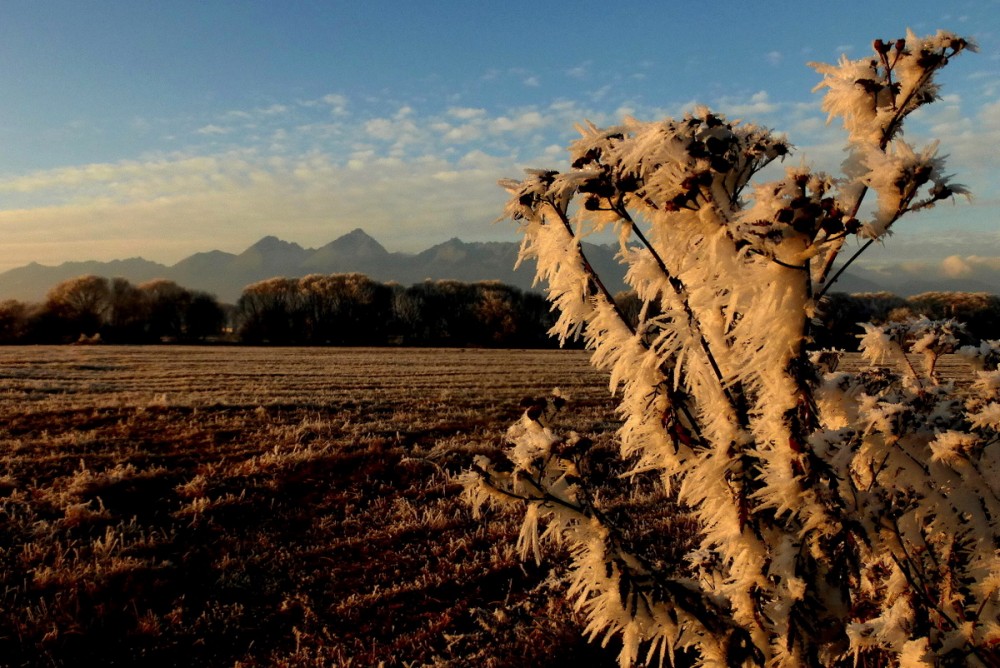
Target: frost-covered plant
column 839, row 518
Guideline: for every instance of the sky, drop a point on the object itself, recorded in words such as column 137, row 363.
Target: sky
column 155, row 129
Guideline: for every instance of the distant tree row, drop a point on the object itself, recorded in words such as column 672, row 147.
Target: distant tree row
column 93, row 308
column 979, row 312
column 338, row 309
column 352, row 309
column 841, row 313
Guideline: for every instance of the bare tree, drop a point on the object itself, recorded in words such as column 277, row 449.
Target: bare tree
column 269, row 310
column 127, row 312
column 81, row 304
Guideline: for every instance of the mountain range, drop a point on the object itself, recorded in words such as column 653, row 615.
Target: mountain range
column 226, row 274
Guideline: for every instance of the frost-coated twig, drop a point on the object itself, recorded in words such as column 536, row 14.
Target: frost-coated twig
column 680, row 292
column 918, row 93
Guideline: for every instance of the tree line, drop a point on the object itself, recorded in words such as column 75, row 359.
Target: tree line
column 839, row 314
column 978, row 312
column 337, row 309
column 94, row 308
column 354, row 310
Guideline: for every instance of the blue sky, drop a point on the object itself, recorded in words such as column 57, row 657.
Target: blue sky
column 158, row 129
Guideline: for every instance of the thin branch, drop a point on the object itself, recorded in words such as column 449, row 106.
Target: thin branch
column 828, row 284
column 887, row 134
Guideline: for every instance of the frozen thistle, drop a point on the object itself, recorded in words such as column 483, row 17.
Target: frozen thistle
column 767, row 510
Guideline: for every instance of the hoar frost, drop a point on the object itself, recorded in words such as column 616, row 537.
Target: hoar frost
column 829, row 518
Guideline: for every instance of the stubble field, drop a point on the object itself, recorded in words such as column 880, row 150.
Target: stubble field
column 271, row 507
column 186, row 506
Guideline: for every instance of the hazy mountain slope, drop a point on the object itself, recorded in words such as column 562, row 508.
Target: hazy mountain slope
column 31, row 282
column 202, row 271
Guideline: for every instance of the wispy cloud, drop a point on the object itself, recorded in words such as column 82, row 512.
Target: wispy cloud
column 466, row 113
column 272, row 110
column 212, row 129
column 759, row 104
column 243, row 197
column 327, row 165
